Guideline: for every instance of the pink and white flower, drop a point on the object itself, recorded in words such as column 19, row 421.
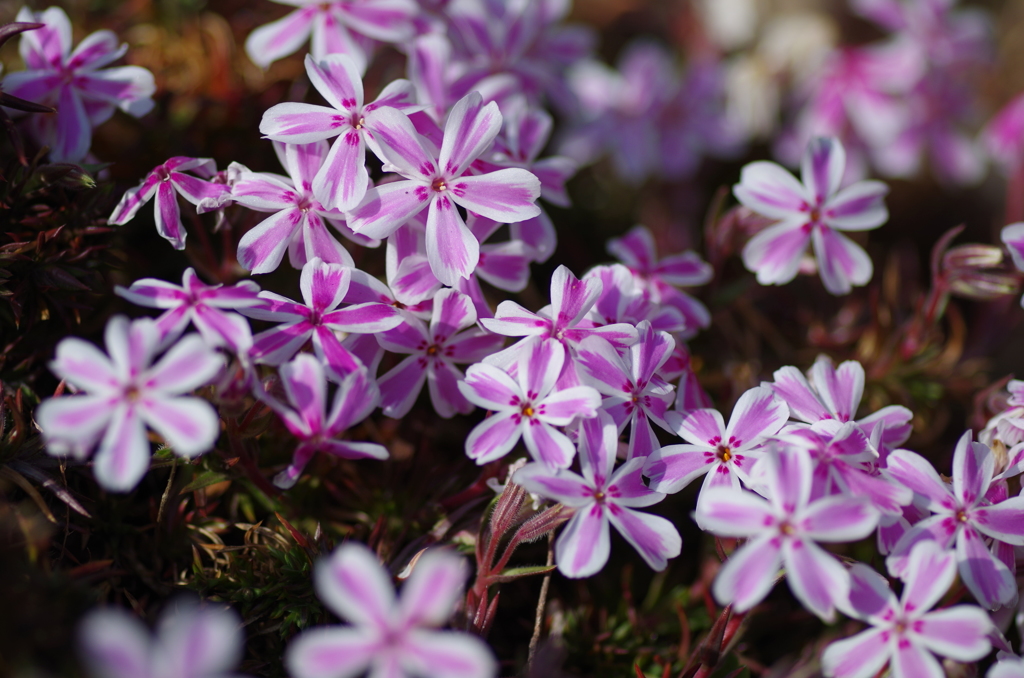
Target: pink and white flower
column 340, row 182
column 75, row 82
column 299, row 222
column 120, row 395
column 390, row 637
column 205, row 306
column 635, row 394
column 724, row 453
column 963, row 516
column 603, row 495
column 904, row 632
column 439, row 184
column 192, row 640
column 166, row 182
column 527, row 407
column 323, row 287
column 811, row 212
column 434, row 351
column 347, row 27
column 306, row 416
column 784, row 531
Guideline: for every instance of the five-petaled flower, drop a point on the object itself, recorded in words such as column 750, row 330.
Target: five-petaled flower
column 394, row 638
column 811, row 212
column 122, row 394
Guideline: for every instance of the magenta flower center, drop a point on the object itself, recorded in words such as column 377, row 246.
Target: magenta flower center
column 724, row 453
column 439, row 185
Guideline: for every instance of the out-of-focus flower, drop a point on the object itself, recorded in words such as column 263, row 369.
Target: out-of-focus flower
column 783, row 531
column 203, row 305
column 1003, row 137
column 191, row 641
column 962, row 517
column 434, row 351
column 347, row 27
column 299, row 222
column 602, row 495
column 123, row 393
column 1007, row 667
column 437, row 184
column 75, row 82
column 811, row 212
column 388, row 636
column 904, row 633
column 166, row 182
column 340, row 180
column 527, row 406
column 635, row 394
column 725, row 453
column 307, row 418
column 835, row 393
column 323, row 288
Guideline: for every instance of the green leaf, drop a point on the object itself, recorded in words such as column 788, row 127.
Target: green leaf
column 203, row 480
column 513, row 573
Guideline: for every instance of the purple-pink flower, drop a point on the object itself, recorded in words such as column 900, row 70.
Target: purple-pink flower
column 527, row 407
column 205, row 306
column 166, row 182
column 306, row 416
column 75, row 82
column 811, row 212
column 783, row 531
column 324, row 287
column 603, row 495
column 904, row 632
column 192, row 640
column 389, row 636
column 724, row 453
column 120, row 395
column 339, row 27
column 963, row 516
column 452, row 337
column 440, row 184
column 340, row 180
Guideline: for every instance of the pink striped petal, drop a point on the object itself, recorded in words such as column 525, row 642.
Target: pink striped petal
column 917, row 473
column 445, row 654
column 190, row 426
column 452, row 312
column 546, row 444
column 342, row 181
column 598, row 444
column 469, row 131
column 842, row 263
column 774, row 254
column 822, row 168
column 280, row 38
column 803, row 402
column 264, row 192
column 910, row 660
column 114, row 644
column 973, row 468
column 1003, row 521
column 306, row 388
column 816, row 578
column 508, row 195
column 840, row 389
column 755, row 416
column 261, row 249
column 860, row 656
column 540, row 364
column 491, row 388
column 153, row 293
column 318, row 243
column 168, row 217
column 332, row 651
column 123, row 456
column 398, row 144
column 298, row 123
column 494, row 437
column 985, row 576
column 585, row 544
column 356, row 398
column 364, row 318
column 431, row 592
column 337, row 78
column 749, row 574
column 571, row 297
column 561, row 485
column 704, row 428
column 354, row 585
column 859, row 207
column 960, row 632
column 387, row 207
column 47, row 46
column 133, row 199
column 73, row 424
column 339, row 360
column 654, row 538
column 274, row 346
column 673, row 467
column 512, row 320
column 74, row 131
column 768, row 189
column 452, row 250
column 400, row 387
column 443, row 384
column 331, row 36
column 727, row 512
column 561, row 407
column 324, row 285
column 384, row 20
column 188, row 365
column 603, row 367
column 206, row 194
column 85, row 366
column 537, row 235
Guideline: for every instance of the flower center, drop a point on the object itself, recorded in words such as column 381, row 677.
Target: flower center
column 528, row 410
column 599, row 496
column 163, row 173
column 815, row 214
column 432, row 349
column 358, row 121
column 786, row 528
column 439, row 185
column 961, row 516
column 724, row 453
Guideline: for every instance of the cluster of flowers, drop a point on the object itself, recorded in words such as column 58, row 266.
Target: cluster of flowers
column 792, row 468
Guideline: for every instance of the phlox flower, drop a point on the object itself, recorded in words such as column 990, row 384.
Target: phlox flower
column 635, row 394
column 166, row 182
column 307, row 419
column 191, row 641
column 336, row 27
column 724, row 453
column 783, row 531
column 75, row 82
column 564, row 319
column 962, row 517
column 829, row 392
column 1003, row 137
column 601, row 496
column 527, row 407
column 622, row 300
column 439, row 184
column 811, row 212
column 120, row 395
column 452, row 337
column 659, row 278
column 1013, row 237
column 1007, row 426
column 299, row 222
column 390, row 637
column 340, row 180
column 205, row 306
column 323, row 288
column 904, row 632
